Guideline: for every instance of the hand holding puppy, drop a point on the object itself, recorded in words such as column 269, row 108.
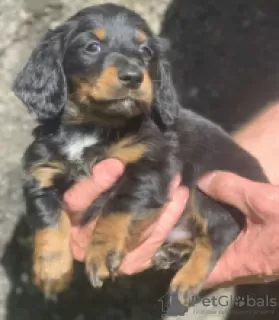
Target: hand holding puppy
column 252, row 257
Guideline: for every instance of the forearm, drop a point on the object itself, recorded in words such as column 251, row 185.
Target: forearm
column 260, row 138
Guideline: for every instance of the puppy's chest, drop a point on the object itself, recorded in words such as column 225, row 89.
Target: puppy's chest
column 75, row 146
column 82, row 150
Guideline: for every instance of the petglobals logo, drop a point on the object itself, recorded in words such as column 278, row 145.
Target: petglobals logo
column 171, row 306
column 240, row 301
column 260, row 302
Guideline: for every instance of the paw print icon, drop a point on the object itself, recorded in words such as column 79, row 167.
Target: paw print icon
column 239, row 301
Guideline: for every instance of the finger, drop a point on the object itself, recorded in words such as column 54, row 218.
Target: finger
column 227, row 187
column 140, row 258
column 80, row 239
column 105, row 173
column 80, row 236
column 221, row 272
column 82, row 194
column 170, row 215
column 174, row 185
column 77, row 244
column 173, row 188
column 255, row 199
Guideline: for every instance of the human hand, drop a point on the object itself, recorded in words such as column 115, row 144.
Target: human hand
column 104, row 174
column 257, row 201
column 254, row 256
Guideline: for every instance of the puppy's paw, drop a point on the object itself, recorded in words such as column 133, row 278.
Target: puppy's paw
column 102, row 261
column 52, row 268
column 187, row 288
column 173, row 255
column 52, row 259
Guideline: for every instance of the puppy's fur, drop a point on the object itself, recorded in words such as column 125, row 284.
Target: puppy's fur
column 101, row 87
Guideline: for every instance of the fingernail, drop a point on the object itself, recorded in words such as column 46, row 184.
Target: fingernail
column 174, row 185
column 111, row 167
column 115, row 167
column 205, row 182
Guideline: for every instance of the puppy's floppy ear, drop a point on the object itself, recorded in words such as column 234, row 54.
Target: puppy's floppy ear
column 167, row 105
column 41, row 85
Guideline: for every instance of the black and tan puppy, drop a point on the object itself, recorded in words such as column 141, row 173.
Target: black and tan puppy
column 101, row 87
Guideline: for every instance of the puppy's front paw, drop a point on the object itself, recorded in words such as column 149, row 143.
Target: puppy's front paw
column 102, row 260
column 107, row 248
column 188, row 285
column 189, row 280
column 52, row 265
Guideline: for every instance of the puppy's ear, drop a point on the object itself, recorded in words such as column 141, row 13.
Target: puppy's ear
column 167, row 105
column 41, row 85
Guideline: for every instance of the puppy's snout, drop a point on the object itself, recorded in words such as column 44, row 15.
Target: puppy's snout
column 130, row 76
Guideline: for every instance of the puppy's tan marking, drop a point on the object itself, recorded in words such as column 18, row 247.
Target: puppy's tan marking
column 146, row 89
column 105, row 85
column 199, row 223
column 127, row 151
column 83, row 91
column 100, row 89
column 100, row 33
column 53, row 261
column 46, row 173
column 191, row 276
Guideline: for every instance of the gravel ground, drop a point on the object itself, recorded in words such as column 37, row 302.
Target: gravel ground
column 22, row 22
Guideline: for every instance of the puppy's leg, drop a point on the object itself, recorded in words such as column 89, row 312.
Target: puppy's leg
column 107, row 246
column 52, row 260
column 115, row 234
column 214, row 229
column 189, row 280
column 133, row 204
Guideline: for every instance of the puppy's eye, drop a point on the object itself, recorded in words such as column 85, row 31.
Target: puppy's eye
column 146, row 52
column 93, row 47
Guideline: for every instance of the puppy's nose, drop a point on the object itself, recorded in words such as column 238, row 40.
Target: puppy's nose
column 131, row 76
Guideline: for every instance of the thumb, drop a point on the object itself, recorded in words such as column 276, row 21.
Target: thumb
column 228, row 188
column 84, row 192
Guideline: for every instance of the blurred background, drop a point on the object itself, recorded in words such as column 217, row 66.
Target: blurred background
column 22, row 23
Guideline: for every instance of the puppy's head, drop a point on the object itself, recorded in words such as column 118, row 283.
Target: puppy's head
column 106, row 61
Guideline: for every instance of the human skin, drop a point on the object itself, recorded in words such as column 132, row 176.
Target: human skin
column 257, row 201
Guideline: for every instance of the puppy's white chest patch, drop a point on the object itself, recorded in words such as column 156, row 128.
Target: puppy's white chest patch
column 74, row 148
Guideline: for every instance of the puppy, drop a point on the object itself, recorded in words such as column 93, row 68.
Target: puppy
column 100, row 87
